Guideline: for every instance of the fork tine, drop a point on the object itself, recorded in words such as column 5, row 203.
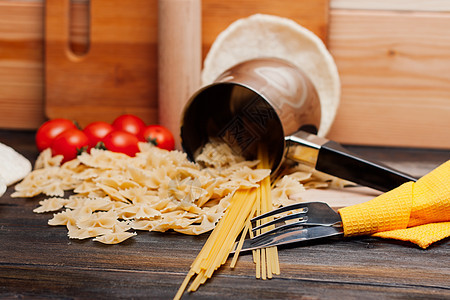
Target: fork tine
column 300, row 215
column 311, row 213
column 280, row 229
column 303, row 205
column 293, row 235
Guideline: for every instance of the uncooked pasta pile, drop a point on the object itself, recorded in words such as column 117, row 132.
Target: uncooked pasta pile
column 108, row 196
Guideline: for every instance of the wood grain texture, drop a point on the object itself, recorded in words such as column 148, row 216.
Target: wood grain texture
column 395, row 83
column 119, row 73
column 393, row 62
column 21, row 65
column 179, row 59
column 39, row 261
column 399, row 5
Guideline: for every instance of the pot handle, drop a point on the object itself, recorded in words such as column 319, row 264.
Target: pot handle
column 332, row 158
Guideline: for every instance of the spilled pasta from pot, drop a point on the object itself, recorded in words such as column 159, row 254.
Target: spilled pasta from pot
column 109, row 196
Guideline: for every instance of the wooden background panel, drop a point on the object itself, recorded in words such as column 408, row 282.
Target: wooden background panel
column 117, row 75
column 395, row 79
column 401, row 5
column 21, row 64
column 124, row 35
column 392, row 61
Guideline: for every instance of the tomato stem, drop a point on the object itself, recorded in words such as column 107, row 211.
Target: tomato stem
column 81, row 150
column 101, row 146
column 152, row 141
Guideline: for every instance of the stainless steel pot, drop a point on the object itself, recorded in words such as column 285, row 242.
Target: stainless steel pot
column 271, row 103
column 255, row 103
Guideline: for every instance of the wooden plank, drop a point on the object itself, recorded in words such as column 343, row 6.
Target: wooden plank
column 118, row 73
column 40, row 261
column 395, row 80
column 400, row 5
column 21, row 64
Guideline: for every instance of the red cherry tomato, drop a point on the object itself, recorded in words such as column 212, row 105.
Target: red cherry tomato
column 50, row 130
column 121, row 141
column 131, row 124
column 96, row 131
column 160, row 136
column 69, row 144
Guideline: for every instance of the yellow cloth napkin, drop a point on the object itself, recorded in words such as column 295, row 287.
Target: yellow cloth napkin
column 418, row 212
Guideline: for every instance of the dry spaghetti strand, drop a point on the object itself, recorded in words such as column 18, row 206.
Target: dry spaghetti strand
column 221, row 241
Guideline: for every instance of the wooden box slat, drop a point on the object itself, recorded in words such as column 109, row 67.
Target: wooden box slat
column 395, row 80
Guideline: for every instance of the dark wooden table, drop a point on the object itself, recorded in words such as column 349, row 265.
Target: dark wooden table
column 40, row 261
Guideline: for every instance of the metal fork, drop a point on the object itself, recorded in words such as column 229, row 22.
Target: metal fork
column 307, row 213
column 314, row 220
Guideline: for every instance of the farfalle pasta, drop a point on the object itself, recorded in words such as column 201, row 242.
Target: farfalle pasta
column 112, row 195
column 218, row 155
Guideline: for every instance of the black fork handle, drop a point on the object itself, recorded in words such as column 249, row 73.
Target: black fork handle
column 336, row 160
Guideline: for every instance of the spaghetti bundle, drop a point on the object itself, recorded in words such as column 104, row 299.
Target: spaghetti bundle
column 266, row 259
column 244, row 205
column 221, row 241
